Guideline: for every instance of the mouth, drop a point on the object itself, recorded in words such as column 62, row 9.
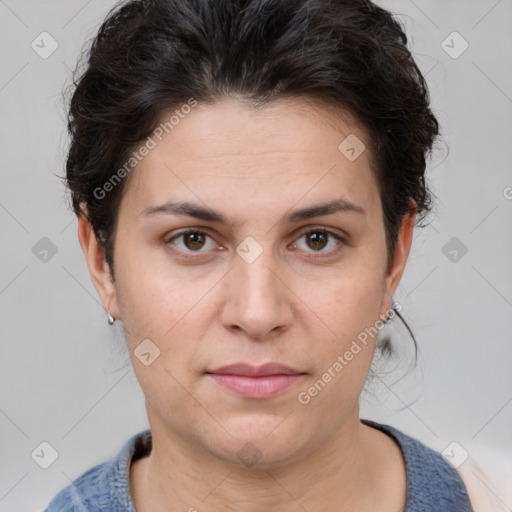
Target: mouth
column 256, row 382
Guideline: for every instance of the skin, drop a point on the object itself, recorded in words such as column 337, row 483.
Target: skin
column 298, row 303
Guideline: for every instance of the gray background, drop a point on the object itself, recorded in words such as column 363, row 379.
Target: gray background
column 64, row 373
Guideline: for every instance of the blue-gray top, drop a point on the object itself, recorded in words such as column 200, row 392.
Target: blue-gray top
column 432, row 483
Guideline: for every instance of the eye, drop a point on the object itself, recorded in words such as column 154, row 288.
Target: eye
column 318, row 239
column 197, row 241
column 193, row 240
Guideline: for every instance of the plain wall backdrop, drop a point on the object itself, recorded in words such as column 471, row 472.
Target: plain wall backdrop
column 65, row 374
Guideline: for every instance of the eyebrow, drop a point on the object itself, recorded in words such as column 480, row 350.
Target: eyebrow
column 207, row 214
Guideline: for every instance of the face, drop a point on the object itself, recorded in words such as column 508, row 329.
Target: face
column 248, row 272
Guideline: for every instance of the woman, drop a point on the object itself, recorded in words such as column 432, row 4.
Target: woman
column 247, row 176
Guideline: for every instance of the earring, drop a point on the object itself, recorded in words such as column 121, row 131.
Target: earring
column 111, row 319
column 392, row 311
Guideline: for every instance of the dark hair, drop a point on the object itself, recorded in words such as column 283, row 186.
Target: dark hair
column 153, row 56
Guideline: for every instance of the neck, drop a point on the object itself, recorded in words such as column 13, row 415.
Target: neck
column 343, row 470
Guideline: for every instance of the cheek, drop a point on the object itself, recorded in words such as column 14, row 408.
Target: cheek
column 164, row 310
column 344, row 345
column 344, row 330
column 345, row 304
column 152, row 302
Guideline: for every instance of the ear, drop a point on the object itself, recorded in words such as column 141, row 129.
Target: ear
column 98, row 267
column 397, row 267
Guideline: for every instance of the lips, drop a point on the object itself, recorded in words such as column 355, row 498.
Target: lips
column 255, row 382
column 256, row 371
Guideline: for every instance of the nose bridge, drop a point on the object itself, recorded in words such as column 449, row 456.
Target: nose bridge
column 253, row 264
column 258, row 301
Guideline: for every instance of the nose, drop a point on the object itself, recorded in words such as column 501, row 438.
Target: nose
column 258, row 296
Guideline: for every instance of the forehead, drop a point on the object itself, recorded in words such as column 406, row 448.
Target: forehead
column 284, row 151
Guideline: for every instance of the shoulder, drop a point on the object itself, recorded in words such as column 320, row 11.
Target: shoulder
column 484, row 495
column 82, row 494
column 104, row 486
column 432, row 483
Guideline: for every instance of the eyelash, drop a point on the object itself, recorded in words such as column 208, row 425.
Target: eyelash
column 342, row 241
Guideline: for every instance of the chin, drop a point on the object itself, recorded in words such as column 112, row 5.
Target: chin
column 254, row 456
column 260, row 444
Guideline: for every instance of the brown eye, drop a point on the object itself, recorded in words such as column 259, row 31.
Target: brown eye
column 316, row 240
column 194, row 240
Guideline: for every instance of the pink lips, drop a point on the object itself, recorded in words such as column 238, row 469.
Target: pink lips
column 256, row 381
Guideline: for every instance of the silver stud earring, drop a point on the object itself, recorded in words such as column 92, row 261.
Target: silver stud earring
column 111, row 319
